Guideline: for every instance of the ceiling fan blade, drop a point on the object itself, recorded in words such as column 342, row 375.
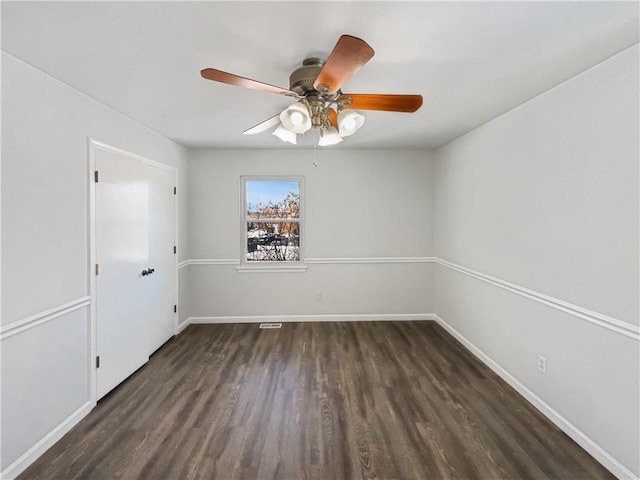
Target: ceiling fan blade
column 347, row 57
column 262, row 126
column 387, row 103
column 231, row 79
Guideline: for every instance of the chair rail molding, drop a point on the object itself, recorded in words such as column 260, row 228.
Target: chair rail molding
column 44, row 316
column 624, row 328
column 208, row 261
column 314, row 261
column 619, row 326
column 358, row 260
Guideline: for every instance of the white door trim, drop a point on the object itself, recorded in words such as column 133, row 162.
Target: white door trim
column 92, row 146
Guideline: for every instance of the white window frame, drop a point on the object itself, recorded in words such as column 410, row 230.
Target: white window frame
column 283, row 266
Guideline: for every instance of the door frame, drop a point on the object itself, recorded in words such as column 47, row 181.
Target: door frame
column 93, row 146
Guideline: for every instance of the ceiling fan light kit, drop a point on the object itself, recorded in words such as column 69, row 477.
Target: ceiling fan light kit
column 321, row 104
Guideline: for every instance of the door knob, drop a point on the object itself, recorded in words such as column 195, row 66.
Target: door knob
column 148, row 271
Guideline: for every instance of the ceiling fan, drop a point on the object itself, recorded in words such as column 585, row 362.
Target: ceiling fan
column 321, row 103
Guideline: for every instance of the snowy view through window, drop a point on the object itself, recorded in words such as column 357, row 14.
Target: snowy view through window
column 272, row 220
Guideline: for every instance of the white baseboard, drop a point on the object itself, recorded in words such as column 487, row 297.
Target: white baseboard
column 31, row 455
column 562, row 423
column 183, row 325
column 348, row 317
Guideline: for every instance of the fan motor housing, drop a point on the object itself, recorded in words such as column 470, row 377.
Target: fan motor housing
column 301, row 80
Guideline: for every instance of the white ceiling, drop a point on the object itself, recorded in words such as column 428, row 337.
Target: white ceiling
column 471, row 61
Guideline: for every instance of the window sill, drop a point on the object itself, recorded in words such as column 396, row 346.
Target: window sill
column 295, row 268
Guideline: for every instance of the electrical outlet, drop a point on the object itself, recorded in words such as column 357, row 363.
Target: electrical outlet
column 542, row 364
column 318, row 296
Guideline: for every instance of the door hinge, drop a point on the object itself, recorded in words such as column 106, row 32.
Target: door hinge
column 175, row 309
column 95, row 176
column 97, row 269
column 175, row 249
column 98, row 361
column 175, row 190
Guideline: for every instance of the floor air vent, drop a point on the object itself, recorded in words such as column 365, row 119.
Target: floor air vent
column 270, row 325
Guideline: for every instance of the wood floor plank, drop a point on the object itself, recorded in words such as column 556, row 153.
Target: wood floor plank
column 316, row 401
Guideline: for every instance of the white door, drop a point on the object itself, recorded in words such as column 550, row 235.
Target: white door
column 162, row 281
column 133, row 217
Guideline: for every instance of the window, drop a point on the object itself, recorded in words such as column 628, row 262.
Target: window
column 272, row 218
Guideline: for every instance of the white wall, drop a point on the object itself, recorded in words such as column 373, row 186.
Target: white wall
column 534, row 219
column 45, row 271
column 542, row 206
column 363, row 206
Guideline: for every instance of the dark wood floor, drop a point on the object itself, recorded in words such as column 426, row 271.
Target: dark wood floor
column 322, row 401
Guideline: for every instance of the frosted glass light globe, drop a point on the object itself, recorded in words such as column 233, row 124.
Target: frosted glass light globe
column 296, row 118
column 349, row 122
